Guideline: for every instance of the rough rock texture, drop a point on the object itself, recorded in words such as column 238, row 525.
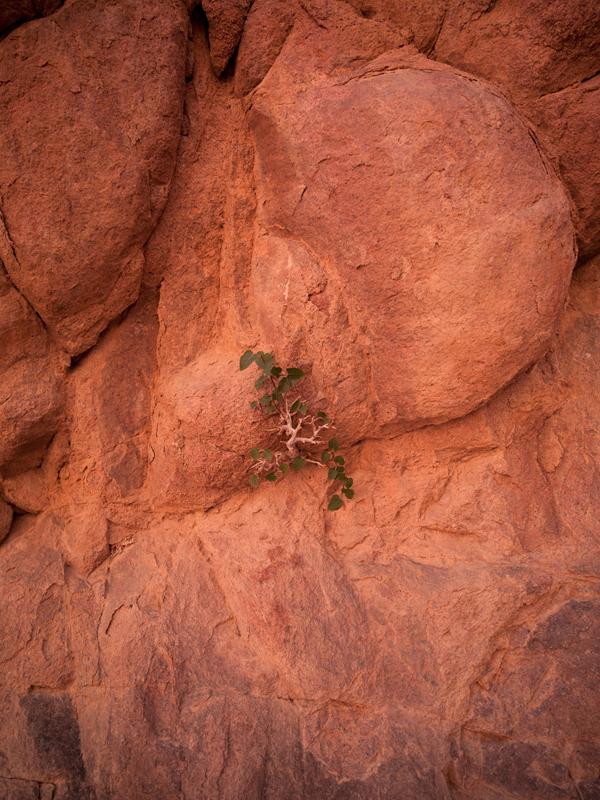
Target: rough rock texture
column 31, row 392
column 225, row 26
column 401, row 227
column 14, row 12
column 465, row 254
column 92, row 98
column 265, row 31
column 533, row 49
column 6, row 515
column 569, row 122
column 547, row 57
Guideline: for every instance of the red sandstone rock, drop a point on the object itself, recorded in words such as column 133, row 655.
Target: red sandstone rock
column 203, row 429
column 225, row 25
column 569, row 121
column 329, row 38
column 6, row 515
column 93, row 104
column 420, row 24
column 531, row 48
column 546, row 57
column 544, row 690
column 27, row 492
column 21, row 331
column 437, row 637
column 265, row 31
column 443, row 213
column 14, row 12
column 85, row 542
column 31, row 383
column 31, row 409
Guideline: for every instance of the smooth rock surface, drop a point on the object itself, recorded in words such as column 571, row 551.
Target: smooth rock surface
column 445, row 215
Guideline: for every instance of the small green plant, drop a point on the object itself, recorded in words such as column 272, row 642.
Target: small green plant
column 301, row 431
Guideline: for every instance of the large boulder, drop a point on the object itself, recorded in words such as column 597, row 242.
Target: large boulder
column 92, row 101
column 418, row 246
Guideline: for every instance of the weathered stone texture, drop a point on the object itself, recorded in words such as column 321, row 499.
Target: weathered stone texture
column 388, row 196
column 92, row 103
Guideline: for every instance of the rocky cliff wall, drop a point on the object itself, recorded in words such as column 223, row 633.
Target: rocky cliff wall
column 402, row 199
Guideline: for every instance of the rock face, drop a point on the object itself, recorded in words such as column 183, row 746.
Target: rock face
column 88, row 149
column 435, row 205
column 389, row 197
column 547, row 57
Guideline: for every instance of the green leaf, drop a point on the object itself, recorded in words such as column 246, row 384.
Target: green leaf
column 253, row 480
column 333, row 444
column 265, row 362
column 266, row 398
column 339, row 460
column 267, row 454
column 295, row 406
column 259, row 382
column 284, row 468
column 270, row 408
column 349, row 493
column 340, row 472
column 253, row 404
column 303, row 408
column 298, row 463
column 276, row 372
column 321, row 415
column 335, row 503
column 284, row 385
column 332, row 474
column 271, row 477
column 327, row 421
column 247, row 359
column 295, row 374
column 325, row 456
column 255, row 453
column 348, row 482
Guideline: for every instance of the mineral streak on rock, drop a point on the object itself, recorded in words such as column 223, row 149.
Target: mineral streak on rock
column 393, row 198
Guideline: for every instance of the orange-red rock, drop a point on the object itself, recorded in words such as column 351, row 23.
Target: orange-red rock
column 441, row 262
column 265, row 31
column 6, row 515
column 14, row 12
column 569, row 122
column 532, row 48
column 225, row 25
column 31, row 388
column 546, row 56
column 92, row 101
column 168, row 632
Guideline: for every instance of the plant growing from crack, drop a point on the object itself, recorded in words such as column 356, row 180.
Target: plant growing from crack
column 302, row 432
